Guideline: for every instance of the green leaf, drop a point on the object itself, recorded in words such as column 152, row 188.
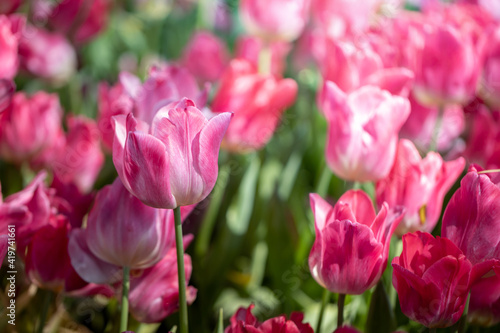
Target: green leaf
column 381, row 318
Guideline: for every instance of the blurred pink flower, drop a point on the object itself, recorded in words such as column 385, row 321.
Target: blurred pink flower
column 7, row 90
column 274, row 20
column 257, row 100
column 351, row 248
column 363, row 131
column 432, row 277
column 9, row 6
column 10, row 33
column 173, row 162
column 484, row 306
column 207, row 46
column 489, row 87
column 419, row 185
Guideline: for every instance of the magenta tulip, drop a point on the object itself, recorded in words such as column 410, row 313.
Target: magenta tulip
column 351, row 248
column 274, row 20
column 257, row 100
column 174, row 161
column 432, row 277
column 363, row 131
column 419, row 185
column 484, row 306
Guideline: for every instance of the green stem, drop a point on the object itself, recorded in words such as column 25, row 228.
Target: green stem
column 205, row 15
column 125, row 289
column 462, row 323
column 265, row 59
column 432, row 330
column 45, row 310
column 340, row 308
column 326, row 298
column 437, row 127
column 181, row 273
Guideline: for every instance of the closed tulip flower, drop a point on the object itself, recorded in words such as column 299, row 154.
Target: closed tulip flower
column 274, row 19
column 257, row 100
column 419, row 185
column 363, row 131
column 352, row 242
column 173, row 162
column 432, row 277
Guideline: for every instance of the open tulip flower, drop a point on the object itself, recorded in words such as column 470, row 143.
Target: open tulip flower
column 352, row 242
column 173, row 162
column 432, row 277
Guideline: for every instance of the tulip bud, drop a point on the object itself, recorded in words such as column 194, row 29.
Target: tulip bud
column 351, row 248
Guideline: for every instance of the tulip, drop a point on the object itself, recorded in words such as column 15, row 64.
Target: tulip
column 47, row 55
column 490, row 80
column 174, row 162
column 363, row 131
column 83, row 20
column 419, row 185
column 80, row 159
column 244, row 321
column 441, row 78
column 432, row 278
column 154, row 292
column 471, row 219
column 29, row 126
column 9, row 6
column 7, row 89
column 351, row 248
column 205, row 45
column 274, row 20
column 10, row 33
column 257, row 100
column 484, row 306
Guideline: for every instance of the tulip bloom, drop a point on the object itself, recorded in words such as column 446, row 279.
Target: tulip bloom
column 257, row 100
column 363, row 131
column 243, row 321
column 419, row 185
column 274, row 20
column 432, row 277
column 9, row 6
column 10, row 33
column 352, row 243
column 174, row 161
column 484, row 306
column 29, row 125
column 154, row 292
column 471, row 219
column 490, row 80
column 7, row 90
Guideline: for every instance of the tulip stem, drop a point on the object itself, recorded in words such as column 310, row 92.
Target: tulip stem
column 437, row 127
column 45, row 310
column 340, row 308
column 183, row 315
column 432, row 330
column 462, row 323
column 265, row 56
column 326, row 298
column 125, row 288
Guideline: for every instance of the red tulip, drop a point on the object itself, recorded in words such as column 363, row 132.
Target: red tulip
column 243, row 321
column 174, row 162
column 274, row 19
column 257, row 100
column 419, row 185
column 351, row 248
column 363, row 131
column 432, row 277
column 29, row 126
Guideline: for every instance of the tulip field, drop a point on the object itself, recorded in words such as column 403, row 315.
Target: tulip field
column 249, row 166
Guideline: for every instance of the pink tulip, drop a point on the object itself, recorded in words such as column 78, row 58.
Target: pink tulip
column 80, row 19
column 7, row 90
column 490, row 80
column 29, row 126
column 205, row 45
column 421, row 125
column 419, row 185
column 484, row 306
column 351, row 248
column 432, row 277
column 174, row 161
column 471, row 219
column 249, row 48
column 10, row 33
column 274, row 20
column 80, row 159
column 448, row 70
column 47, row 55
column 154, row 293
column 257, row 100
column 112, row 101
column 243, row 321
column 9, row 6
column 363, row 131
